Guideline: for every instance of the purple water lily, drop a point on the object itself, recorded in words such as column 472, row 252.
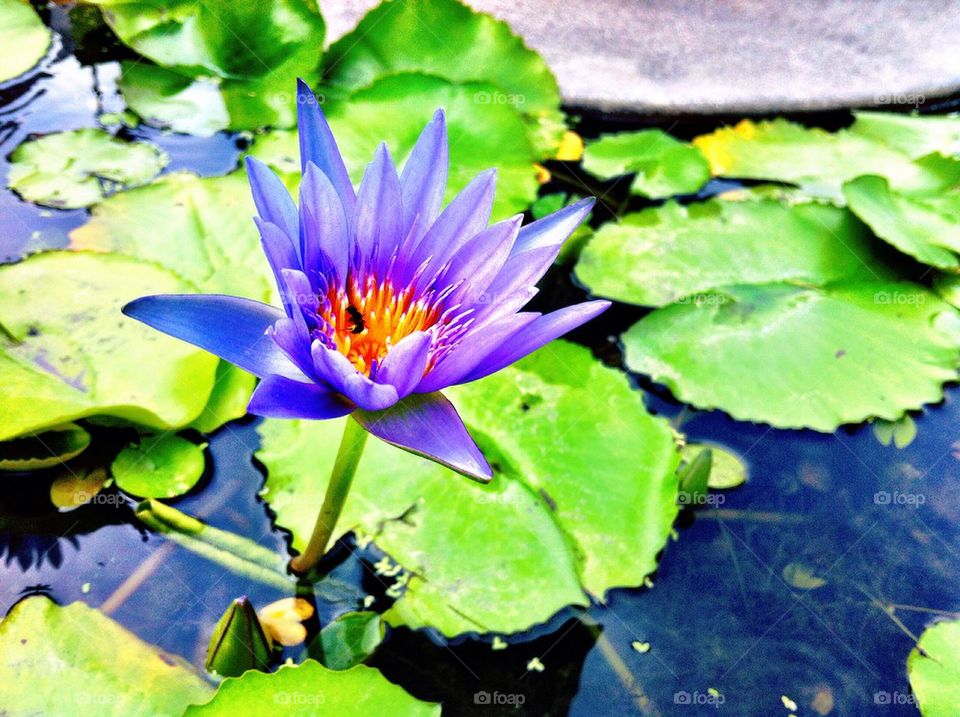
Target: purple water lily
column 387, row 300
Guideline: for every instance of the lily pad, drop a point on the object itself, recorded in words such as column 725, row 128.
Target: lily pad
column 816, row 160
column 900, row 433
column 927, row 226
column 914, row 135
column 52, row 447
column 159, row 467
column 349, row 640
column 76, row 661
column 802, row 357
column 23, row 37
column 663, row 165
column 395, row 110
column 310, row 689
column 448, row 39
column 231, row 392
column 201, row 228
column 670, row 252
column 78, row 168
column 934, row 670
column 164, row 98
column 67, row 352
column 561, row 521
column 727, row 469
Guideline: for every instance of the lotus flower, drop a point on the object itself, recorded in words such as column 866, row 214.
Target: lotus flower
column 387, row 300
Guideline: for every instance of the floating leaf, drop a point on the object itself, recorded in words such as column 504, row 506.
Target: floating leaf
column 801, row 576
column 77, row 168
column 934, row 670
column 159, row 467
column 900, row 433
column 797, row 357
column 67, row 352
column 73, row 488
column 238, row 642
column 52, row 447
column 447, row 39
column 168, row 99
column 927, row 227
column 693, row 477
column 914, row 135
column 231, row 392
column 673, row 252
column 663, row 165
column 76, row 661
column 561, row 519
column 395, row 110
column 348, row 640
column 23, row 37
column 948, row 287
column 726, row 468
column 817, row 160
column 310, row 689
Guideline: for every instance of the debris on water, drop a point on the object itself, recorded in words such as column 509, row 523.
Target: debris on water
column 535, row 665
column 788, row 703
column 283, row 620
column 498, row 643
column 641, row 647
column 85, row 588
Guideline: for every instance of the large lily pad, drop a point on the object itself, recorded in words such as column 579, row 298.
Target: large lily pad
column 395, row 110
column 662, row 165
column 23, row 37
column 927, row 227
column 670, row 252
column 310, row 689
column 560, row 522
column 802, row 357
column 167, row 99
column 74, row 661
column 162, row 466
column 934, row 670
column 447, row 39
column 77, row 168
column 817, row 160
column 914, row 135
column 67, row 351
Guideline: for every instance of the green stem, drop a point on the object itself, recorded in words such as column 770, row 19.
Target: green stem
column 351, row 448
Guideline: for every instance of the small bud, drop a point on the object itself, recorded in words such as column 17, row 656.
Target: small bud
column 238, row 643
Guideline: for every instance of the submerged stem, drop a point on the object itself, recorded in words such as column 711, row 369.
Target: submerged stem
column 351, row 448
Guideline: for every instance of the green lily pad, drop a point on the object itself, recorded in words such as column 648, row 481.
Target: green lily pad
column 23, row 37
column 802, row 357
column 727, row 469
column 667, row 253
column 201, row 228
column 77, row 168
column 900, row 432
column 348, row 640
column 67, row 352
column 561, row 520
column 159, row 467
column 310, row 689
column 927, row 227
column 801, row 577
column 76, row 661
column 663, row 165
column 816, row 160
column 231, row 392
column 52, row 447
column 934, row 670
column 448, row 39
column 395, row 110
column 914, row 135
column 167, row 99
column 948, row 287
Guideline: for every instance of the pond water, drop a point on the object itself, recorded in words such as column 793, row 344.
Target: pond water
column 806, row 583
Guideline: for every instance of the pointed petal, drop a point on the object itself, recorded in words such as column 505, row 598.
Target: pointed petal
column 428, row 425
column 317, row 145
column 480, row 260
column 465, row 217
column 324, row 225
column 230, row 327
column 553, row 229
column 337, row 370
column 273, row 201
column 280, row 397
column 542, row 331
column 424, row 177
column 280, row 254
column 515, row 285
column 405, row 363
column 472, row 349
column 378, row 217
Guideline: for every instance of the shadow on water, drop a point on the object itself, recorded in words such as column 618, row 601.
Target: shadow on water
column 725, row 630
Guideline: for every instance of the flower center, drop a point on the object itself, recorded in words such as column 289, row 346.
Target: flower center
column 367, row 318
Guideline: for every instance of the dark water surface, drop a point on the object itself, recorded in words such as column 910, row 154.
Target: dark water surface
column 722, row 631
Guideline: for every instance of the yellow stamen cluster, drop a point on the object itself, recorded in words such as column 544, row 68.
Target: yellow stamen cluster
column 371, row 317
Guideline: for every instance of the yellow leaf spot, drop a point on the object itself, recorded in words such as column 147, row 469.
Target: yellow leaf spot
column 543, row 174
column 715, row 145
column 571, row 147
